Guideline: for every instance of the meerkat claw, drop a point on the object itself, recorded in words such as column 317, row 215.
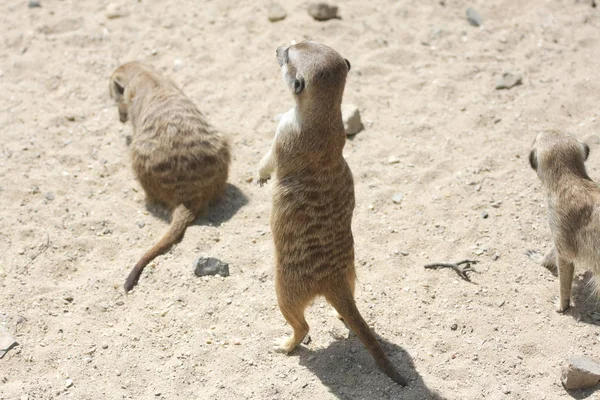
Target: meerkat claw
column 457, row 267
column 262, row 181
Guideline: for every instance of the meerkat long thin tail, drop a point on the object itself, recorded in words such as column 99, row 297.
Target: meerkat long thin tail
column 345, row 305
column 181, row 218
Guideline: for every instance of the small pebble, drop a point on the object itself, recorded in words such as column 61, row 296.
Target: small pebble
column 69, row 383
column 397, row 198
column 140, row 224
column 505, row 389
column 210, row 266
column 393, row 160
column 33, row 4
column 276, row 12
column 50, row 196
column 177, row 65
column 322, row 11
column 352, row 121
column 500, row 303
column 484, row 214
column 473, row 17
column 454, row 327
column 113, row 10
column 508, row 80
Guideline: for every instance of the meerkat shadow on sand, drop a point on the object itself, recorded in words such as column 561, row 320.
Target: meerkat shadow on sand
column 348, row 370
column 217, row 213
column 582, row 394
column 587, row 304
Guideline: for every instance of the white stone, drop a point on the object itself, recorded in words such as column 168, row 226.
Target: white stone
column 114, row 10
column 276, row 12
column 351, row 117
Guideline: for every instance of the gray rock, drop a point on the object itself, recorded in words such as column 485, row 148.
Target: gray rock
column 7, row 342
column 50, row 196
column 322, row 11
column 580, row 373
column 33, row 4
column 140, row 224
column 508, row 80
column 210, row 266
column 397, row 198
column 276, row 12
column 484, row 214
column 473, row 17
column 68, row 383
column 351, row 117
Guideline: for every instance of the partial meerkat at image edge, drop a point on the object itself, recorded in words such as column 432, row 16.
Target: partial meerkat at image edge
column 180, row 161
column 313, row 198
column 573, row 201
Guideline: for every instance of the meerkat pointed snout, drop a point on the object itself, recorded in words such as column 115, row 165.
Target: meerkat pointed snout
column 573, row 208
column 180, row 161
column 313, row 198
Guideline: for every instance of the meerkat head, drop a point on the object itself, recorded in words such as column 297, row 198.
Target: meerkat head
column 313, row 70
column 556, row 152
column 120, row 90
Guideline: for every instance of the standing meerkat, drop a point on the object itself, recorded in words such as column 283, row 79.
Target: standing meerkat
column 313, row 198
column 179, row 160
column 573, row 208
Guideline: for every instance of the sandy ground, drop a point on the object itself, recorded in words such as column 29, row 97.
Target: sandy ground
column 73, row 219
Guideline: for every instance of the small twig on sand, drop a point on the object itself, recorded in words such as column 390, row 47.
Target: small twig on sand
column 460, row 270
column 43, row 248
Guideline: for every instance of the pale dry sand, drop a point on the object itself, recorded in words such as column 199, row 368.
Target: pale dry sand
column 424, row 80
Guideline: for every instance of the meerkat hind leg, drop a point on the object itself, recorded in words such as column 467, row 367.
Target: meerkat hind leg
column 294, row 315
column 565, row 280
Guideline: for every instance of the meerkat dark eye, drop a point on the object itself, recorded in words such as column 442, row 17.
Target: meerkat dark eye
column 586, row 151
column 533, row 160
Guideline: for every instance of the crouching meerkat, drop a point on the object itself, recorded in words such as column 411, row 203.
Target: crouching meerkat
column 573, row 208
column 313, row 198
column 179, row 160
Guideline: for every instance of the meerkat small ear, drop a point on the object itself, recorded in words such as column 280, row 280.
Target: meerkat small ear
column 347, row 63
column 586, row 151
column 116, row 89
column 533, row 160
column 298, row 84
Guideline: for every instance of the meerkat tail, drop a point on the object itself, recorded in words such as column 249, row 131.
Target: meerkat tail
column 181, row 218
column 346, row 306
